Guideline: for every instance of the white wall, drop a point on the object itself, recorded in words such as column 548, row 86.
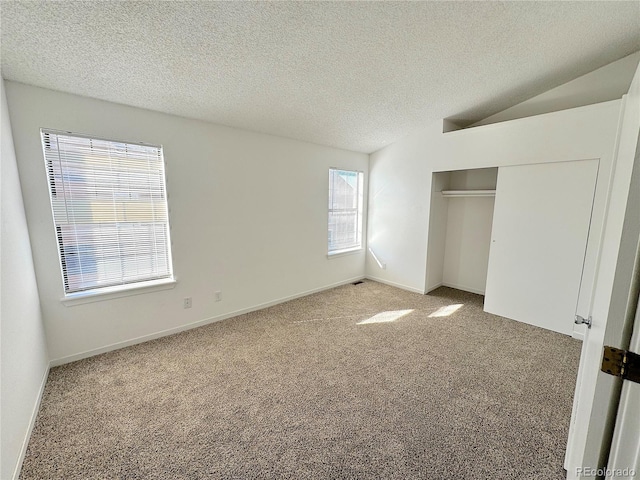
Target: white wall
column 466, row 255
column 606, row 83
column 248, row 217
column 468, row 237
column 399, row 197
column 24, row 357
column 401, row 176
column 438, row 218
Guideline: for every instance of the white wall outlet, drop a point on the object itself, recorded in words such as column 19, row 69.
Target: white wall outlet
column 187, row 302
column 217, row 296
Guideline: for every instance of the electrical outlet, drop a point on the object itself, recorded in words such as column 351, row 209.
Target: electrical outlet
column 217, row 296
column 187, row 302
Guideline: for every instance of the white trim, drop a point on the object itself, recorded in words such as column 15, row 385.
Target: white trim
column 32, row 423
column 94, row 137
column 431, row 289
column 348, row 251
column 578, row 335
column 110, row 293
column 170, row 331
column 360, row 209
column 463, row 288
column 394, row 284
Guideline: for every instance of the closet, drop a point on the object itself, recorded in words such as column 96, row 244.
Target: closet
column 462, row 205
column 523, row 248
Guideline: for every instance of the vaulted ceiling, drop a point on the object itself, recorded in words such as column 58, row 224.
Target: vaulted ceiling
column 355, row 75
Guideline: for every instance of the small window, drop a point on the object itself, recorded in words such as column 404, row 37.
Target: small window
column 110, row 212
column 345, row 210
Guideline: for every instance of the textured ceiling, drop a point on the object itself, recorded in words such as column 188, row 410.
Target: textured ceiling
column 355, row 75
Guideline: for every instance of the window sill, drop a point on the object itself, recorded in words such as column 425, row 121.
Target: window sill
column 342, row 253
column 110, row 293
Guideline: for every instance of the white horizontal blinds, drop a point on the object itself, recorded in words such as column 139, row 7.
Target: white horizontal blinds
column 345, row 210
column 110, row 210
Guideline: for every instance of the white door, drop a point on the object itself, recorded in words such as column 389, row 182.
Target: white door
column 624, row 458
column 538, row 241
column 596, row 392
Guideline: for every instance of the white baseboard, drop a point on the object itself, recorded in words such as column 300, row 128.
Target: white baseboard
column 578, row 335
column 463, row 288
column 394, row 284
column 32, row 422
column 189, row 326
column 433, row 287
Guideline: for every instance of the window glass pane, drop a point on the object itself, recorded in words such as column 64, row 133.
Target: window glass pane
column 110, row 211
column 345, row 210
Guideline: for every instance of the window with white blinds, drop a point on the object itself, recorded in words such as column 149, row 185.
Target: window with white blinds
column 110, row 212
column 345, row 210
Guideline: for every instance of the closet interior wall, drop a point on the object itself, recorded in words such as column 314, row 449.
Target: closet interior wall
column 460, row 230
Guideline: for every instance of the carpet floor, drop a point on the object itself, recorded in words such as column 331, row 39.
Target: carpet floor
column 361, row 381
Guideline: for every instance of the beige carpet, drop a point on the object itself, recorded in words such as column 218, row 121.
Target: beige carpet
column 306, row 390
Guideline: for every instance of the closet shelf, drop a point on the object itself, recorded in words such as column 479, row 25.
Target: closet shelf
column 468, row 193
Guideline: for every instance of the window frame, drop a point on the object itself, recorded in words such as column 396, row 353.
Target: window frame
column 134, row 287
column 359, row 210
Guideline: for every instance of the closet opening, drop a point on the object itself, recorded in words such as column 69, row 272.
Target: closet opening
column 460, row 225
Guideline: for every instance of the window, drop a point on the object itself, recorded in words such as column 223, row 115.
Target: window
column 345, row 210
column 110, row 212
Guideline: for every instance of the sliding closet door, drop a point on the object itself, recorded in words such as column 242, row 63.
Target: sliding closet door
column 538, row 242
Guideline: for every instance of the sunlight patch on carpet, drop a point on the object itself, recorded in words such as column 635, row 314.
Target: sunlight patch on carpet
column 385, row 317
column 446, row 311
